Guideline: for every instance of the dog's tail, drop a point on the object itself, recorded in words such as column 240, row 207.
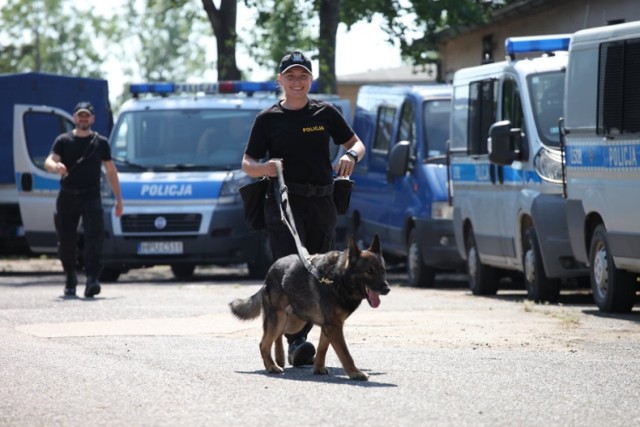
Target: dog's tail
column 247, row 308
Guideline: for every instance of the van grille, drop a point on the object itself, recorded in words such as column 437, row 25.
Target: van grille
column 154, row 223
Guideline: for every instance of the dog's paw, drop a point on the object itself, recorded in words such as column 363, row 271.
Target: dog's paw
column 320, row 370
column 358, row 376
column 275, row 369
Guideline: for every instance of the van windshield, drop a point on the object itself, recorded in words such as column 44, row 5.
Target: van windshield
column 181, row 139
column 547, row 96
column 436, row 127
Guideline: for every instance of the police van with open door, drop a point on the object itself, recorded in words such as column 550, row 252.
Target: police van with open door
column 35, row 127
column 506, row 169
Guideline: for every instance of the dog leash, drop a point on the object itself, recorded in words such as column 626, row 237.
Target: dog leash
column 286, row 216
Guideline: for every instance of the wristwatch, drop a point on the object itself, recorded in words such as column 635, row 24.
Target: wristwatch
column 352, row 153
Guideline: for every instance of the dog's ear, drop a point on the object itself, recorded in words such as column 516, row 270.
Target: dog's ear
column 375, row 245
column 354, row 251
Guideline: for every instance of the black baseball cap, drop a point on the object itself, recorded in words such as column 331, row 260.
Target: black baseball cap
column 295, row 59
column 83, row 107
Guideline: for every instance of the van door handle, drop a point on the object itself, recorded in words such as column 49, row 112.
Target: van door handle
column 26, row 182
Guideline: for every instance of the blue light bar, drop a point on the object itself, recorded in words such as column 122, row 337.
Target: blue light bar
column 513, row 45
column 231, row 86
column 158, row 88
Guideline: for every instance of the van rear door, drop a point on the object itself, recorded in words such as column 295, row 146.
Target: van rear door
column 34, row 130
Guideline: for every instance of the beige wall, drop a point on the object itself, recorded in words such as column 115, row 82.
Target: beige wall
column 560, row 16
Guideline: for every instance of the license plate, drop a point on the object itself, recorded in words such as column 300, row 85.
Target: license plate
column 160, row 248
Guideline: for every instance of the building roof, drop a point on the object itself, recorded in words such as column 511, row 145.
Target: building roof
column 404, row 74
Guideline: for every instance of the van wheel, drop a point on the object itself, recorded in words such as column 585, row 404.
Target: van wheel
column 183, row 271
column 418, row 273
column 259, row 265
column 110, row 274
column 540, row 288
column 483, row 279
column 613, row 289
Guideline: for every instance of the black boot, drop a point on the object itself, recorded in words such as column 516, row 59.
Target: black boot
column 301, row 352
column 92, row 288
column 70, row 283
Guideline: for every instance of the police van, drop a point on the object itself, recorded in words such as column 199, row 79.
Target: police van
column 602, row 136
column 400, row 190
column 178, row 149
column 506, row 169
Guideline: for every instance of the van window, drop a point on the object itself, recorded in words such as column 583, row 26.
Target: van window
column 436, row 116
column 204, row 138
column 407, row 129
column 619, row 88
column 547, row 95
column 482, row 114
column 41, row 129
column 511, row 103
column 512, row 110
column 384, row 127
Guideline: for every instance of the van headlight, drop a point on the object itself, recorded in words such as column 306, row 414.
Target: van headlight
column 441, row 210
column 229, row 193
column 548, row 164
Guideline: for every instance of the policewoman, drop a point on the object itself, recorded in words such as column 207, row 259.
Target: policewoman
column 297, row 130
column 77, row 156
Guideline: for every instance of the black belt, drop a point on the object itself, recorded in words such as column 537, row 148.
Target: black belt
column 309, row 190
column 80, row 191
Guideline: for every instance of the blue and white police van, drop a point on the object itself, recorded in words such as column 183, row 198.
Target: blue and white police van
column 602, row 142
column 400, row 190
column 506, row 169
column 178, row 149
column 34, row 110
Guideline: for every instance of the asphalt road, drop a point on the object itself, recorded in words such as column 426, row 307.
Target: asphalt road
column 153, row 351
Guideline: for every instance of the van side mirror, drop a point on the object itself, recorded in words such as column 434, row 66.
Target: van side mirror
column 502, row 149
column 399, row 160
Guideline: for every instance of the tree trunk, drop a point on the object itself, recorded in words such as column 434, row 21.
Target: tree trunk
column 329, row 20
column 223, row 23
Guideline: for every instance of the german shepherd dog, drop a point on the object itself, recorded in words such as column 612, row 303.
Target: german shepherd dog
column 291, row 296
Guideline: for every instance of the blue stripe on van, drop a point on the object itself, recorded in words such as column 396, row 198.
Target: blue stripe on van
column 40, row 183
column 609, row 156
column 481, row 172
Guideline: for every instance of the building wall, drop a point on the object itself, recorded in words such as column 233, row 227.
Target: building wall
column 548, row 17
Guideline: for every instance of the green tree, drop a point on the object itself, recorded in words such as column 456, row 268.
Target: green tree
column 51, row 36
column 167, row 39
column 281, row 27
column 414, row 24
column 223, row 23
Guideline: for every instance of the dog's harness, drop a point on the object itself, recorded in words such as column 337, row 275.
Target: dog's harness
column 286, row 216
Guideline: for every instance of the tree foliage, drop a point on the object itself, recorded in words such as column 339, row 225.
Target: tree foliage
column 167, row 39
column 281, row 27
column 416, row 24
column 50, row 36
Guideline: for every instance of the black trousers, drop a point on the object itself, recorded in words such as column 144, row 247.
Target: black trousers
column 71, row 207
column 315, row 218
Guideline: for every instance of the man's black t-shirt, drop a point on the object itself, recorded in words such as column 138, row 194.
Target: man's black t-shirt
column 301, row 138
column 86, row 174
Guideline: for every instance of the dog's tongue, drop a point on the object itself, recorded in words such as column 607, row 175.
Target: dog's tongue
column 373, row 298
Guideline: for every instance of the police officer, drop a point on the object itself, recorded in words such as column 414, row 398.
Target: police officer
column 77, row 156
column 298, row 130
